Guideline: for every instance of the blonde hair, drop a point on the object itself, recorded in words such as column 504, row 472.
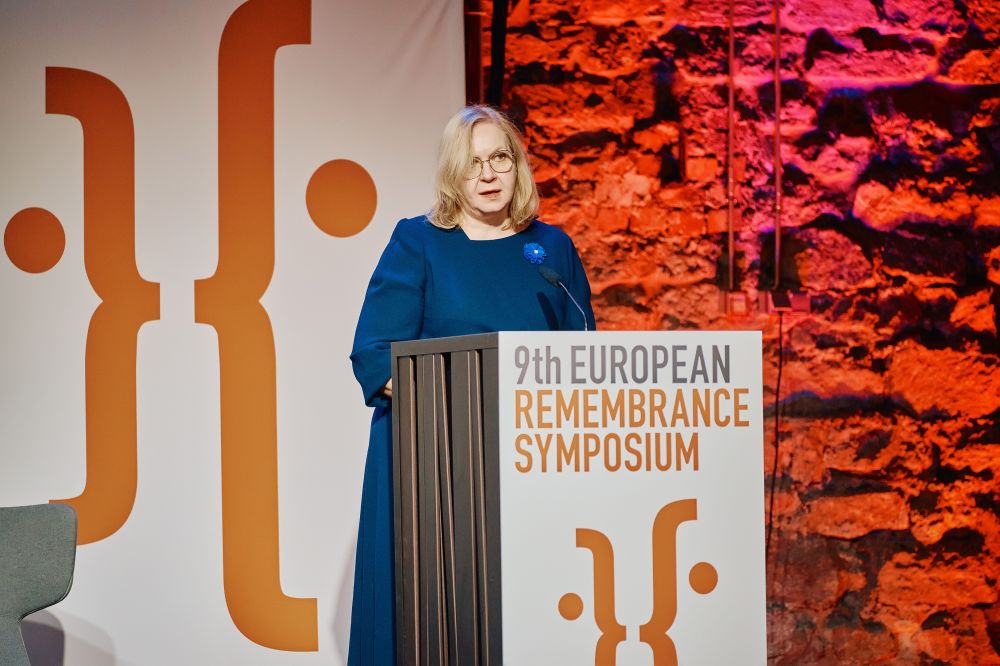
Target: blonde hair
column 456, row 156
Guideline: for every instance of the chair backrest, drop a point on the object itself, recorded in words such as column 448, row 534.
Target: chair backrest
column 37, row 553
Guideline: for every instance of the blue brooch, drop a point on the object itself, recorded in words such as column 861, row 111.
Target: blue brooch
column 534, row 253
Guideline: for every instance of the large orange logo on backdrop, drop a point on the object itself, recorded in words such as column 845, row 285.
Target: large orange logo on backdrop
column 341, row 200
column 702, row 578
column 34, row 241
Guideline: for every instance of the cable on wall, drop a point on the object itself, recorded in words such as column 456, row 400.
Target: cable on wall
column 777, row 143
column 777, row 439
column 498, row 53
column 730, row 153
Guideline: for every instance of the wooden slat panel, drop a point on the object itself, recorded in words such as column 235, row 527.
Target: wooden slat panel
column 463, row 439
column 405, row 513
column 447, row 502
column 446, row 511
column 479, row 506
column 491, row 493
column 429, row 527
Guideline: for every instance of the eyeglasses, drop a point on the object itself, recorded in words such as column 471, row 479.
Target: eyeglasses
column 500, row 161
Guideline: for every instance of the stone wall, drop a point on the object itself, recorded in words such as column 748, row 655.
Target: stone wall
column 886, row 544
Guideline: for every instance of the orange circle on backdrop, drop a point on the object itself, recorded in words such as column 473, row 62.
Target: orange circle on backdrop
column 570, row 606
column 341, row 198
column 34, row 240
column 703, row 578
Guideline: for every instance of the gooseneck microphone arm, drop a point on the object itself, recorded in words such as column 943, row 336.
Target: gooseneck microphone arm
column 555, row 280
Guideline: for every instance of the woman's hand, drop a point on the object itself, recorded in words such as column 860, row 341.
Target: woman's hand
column 387, row 389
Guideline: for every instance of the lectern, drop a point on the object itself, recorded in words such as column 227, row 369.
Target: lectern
column 447, row 507
column 607, row 485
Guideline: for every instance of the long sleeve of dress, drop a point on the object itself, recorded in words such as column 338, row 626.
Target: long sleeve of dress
column 392, row 311
column 579, row 286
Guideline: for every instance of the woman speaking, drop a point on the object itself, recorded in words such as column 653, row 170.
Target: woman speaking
column 474, row 264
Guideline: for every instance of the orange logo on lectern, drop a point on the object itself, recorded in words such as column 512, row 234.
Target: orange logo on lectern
column 702, row 578
column 341, row 199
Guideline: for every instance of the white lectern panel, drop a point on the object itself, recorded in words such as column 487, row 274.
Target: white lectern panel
column 631, row 471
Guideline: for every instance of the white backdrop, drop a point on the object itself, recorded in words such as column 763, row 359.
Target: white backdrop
column 375, row 85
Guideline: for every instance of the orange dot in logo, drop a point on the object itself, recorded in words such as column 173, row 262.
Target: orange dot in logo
column 34, row 240
column 703, row 578
column 341, row 198
column 570, row 606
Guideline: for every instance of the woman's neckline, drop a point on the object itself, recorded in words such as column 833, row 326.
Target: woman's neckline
column 495, row 240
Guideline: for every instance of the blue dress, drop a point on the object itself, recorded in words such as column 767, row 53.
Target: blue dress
column 432, row 283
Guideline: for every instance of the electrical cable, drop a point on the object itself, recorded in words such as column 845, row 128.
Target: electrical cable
column 498, row 41
column 774, row 466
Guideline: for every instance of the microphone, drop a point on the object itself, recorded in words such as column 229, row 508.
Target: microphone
column 555, row 280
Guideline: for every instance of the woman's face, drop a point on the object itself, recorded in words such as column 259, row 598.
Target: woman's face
column 488, row 196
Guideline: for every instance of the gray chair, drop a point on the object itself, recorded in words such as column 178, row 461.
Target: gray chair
column 37, row 553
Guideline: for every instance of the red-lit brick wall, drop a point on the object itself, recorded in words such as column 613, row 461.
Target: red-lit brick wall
column 886, row 544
